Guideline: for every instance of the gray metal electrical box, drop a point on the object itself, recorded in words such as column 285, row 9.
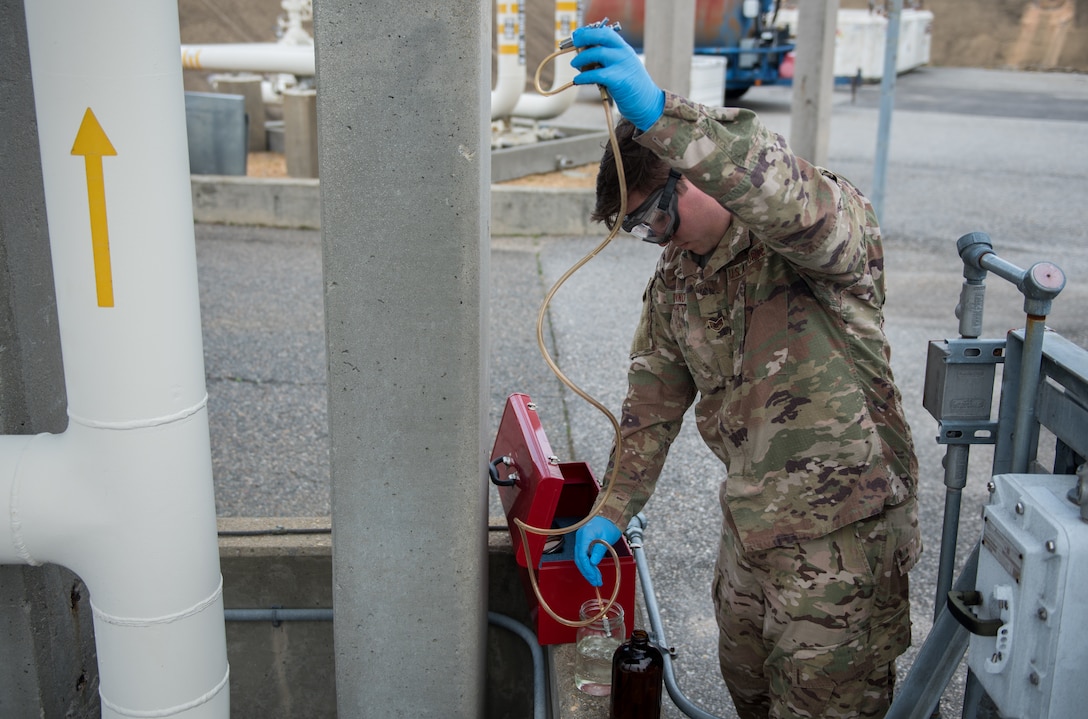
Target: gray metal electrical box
column 959, row 379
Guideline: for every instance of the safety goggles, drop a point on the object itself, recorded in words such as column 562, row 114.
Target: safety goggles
column 656, row 219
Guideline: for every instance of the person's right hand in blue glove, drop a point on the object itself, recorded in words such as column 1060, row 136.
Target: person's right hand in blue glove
column 620, row 72
column 587, row 557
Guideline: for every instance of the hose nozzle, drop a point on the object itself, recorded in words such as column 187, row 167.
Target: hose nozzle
column 603, row 22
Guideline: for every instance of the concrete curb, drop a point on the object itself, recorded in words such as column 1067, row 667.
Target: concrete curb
column 296, row 203
column 278, row 665
column 517, row 210
column 266, row 202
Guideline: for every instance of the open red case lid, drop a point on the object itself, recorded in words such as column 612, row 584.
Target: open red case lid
column 532, row 484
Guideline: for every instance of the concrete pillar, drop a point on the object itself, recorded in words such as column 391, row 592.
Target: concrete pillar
column 813, row 80
column 403, row 116
column 669, row 38
column 47, row 664
column 248, row 86
column 300, row 132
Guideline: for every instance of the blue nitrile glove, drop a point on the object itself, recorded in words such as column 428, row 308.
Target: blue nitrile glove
column 620, row 72
column 587, row 558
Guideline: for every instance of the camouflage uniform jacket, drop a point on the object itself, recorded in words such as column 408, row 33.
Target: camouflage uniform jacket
column 778, row 335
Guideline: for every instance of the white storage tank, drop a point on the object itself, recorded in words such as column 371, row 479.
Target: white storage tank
column 859, row 40
column 915, row 38
column 707, row 79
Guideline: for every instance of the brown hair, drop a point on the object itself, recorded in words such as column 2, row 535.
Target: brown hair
column 643, row 170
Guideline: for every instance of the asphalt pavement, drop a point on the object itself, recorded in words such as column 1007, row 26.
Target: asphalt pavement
column 971, row 150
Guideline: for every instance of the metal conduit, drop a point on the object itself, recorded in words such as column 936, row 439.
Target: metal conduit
column 277, row 615
column 540, row 702
column 657, row 633
column 1040, row 284
column 936, row 662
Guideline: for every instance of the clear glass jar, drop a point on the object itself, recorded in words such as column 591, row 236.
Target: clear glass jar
column 594, row 646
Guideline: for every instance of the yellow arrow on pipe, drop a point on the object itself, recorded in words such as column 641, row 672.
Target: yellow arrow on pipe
column 92, row 143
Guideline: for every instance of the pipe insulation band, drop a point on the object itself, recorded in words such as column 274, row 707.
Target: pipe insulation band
column 111, row 628
column 192, row 611
column 168, row 711
column 142, row 423
column 12, row 451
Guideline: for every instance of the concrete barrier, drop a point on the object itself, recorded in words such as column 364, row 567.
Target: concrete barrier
column 284, row 669
column 264, row 202
column 278, row 669
column 520, row 210
column 295, row 203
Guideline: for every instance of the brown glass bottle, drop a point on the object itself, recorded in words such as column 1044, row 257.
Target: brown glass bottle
column 637, row 669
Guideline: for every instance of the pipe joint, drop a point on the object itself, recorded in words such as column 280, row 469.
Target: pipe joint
column 1040, row 286
column 972, row 247
column 13, row 547
column 636, row 530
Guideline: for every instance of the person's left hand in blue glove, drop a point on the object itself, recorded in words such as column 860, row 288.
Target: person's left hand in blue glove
column 587, row 557
column 607, row 60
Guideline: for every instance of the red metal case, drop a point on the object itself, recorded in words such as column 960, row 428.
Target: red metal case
column 541, row 491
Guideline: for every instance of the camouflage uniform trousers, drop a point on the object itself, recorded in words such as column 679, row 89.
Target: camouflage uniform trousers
column 813, row 629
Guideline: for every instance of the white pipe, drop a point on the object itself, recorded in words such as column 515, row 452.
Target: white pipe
column 299, row 59
column 124, row 497
column 510, row 34
column 250, row 57
column 568, row 16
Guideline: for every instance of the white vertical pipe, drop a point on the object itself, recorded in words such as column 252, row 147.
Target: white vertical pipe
column 533, row 105
column 124, row 497
column 510, row 34
column 119, row 60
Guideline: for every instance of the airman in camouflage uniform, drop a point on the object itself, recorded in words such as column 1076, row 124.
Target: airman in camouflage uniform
column 776, row 334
